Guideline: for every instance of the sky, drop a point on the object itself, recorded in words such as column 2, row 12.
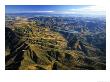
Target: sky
column 56, row 9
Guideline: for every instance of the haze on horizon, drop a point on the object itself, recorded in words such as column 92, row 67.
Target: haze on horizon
column 57, row 9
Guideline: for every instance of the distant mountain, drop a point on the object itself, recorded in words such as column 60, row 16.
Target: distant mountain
column 49, row 14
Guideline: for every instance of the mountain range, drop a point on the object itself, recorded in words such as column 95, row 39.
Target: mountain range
column 45, row 44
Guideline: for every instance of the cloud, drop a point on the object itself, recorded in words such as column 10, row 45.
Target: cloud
column 64, row 12
column 36, row 11
column 95, row 10
column 90, row 8
column 49, row 12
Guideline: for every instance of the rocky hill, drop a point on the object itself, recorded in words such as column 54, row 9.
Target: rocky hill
column 32, row 47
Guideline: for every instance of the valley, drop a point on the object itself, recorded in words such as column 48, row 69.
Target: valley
column 55, row 43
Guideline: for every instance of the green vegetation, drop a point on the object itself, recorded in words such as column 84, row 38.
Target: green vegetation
column 31, row 47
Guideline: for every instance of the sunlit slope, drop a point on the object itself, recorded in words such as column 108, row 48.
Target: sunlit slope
column 32, row 47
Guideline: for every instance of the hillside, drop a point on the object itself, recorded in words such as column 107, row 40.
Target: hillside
column 33, row 47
